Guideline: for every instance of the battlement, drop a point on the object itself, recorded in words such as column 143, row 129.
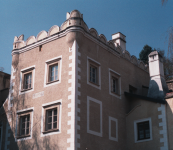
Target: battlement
column 75, row 19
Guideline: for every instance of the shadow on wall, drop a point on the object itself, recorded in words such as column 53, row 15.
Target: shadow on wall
column 154, row 91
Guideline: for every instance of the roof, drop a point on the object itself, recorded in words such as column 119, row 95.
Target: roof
column 161, row 101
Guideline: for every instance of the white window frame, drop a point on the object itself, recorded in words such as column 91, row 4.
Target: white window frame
column 21, row 80
column 88, row 105
column 43, row 117
column 110, row 83
column 136, row 129
column 98, row 86
column 31, row 118
column 110, row 127
column 59, row 60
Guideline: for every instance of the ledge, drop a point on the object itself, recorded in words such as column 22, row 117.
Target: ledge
column 161, row 101
column 49, row 131
column 23, row 136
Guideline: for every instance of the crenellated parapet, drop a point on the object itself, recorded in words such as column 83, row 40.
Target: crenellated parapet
column 74, row 22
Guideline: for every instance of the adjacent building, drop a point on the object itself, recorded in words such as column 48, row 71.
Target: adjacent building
column 72, row 89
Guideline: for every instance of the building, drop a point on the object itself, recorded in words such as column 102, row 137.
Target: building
column 4, row 86
column 71, row 89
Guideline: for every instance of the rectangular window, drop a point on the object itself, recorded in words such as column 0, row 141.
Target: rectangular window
column 143, row 130
column 24, row 125
column 51, row 119
column 93, row 74
column 27, row 81
column 114, row 83
column 53, row 72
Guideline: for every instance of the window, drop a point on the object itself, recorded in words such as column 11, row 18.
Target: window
column 24, row 124
column 51, row 119
column 51, row 114
column 143, row 130
column 53, row 71
column 93, row 73
column 27, row 80
column 114, row 84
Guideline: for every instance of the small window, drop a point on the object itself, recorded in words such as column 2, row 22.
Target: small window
column 143, row 130
column 114, row 83
column 24, row 125
column 53, row 71
column 51, row 118
column 93, row 73
column 27, row 79
column 40, row 48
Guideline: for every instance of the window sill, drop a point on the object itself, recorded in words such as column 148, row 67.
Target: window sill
column 26, row 90
column 115, row 93
column 23, row 136
column 52, row 82
column 94, row 83
column 49, row 131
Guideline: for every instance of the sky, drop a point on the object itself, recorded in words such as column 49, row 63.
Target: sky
column 142, row 21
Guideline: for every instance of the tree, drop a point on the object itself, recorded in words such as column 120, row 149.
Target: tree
column 143, row 55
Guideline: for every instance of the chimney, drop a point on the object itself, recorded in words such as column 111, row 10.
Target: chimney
column 158, row 87
column 119, row 39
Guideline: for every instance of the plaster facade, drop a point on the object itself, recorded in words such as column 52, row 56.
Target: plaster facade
column 91, row 116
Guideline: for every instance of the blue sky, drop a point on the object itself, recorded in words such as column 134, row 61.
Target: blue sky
column 142, row 21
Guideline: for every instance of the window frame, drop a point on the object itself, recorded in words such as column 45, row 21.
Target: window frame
column 23, row 73
column 117, row 76
column 136, row 122
column 94, row 64
column 48, row 65
column 20, row 115
column 46, row 107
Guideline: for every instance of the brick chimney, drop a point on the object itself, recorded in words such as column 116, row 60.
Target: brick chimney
column 119, row 39
column 158, row 87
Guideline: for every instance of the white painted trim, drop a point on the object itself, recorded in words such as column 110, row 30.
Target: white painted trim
column 99, row 73
column 33, row 80
column 46, row 71
column 32, row 115
column 60, row 116
column 163, row 124
column 136, row 130
column 119, row 80
column 88, row 128
column 73, row 98
column 116, row 121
